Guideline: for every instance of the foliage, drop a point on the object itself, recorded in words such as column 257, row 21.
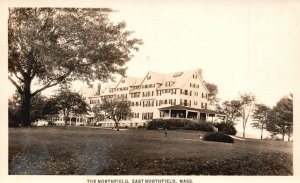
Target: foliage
column 247, row 101
column 260, row 117
column 180, row 124
column 280, row 119
column 116, row 109
column 14, row 111
column 227, row 128
column 213, row 92
column 49, row 45
column 232, row 110
column 37, row 112
column 218, row 137
column 68, row 102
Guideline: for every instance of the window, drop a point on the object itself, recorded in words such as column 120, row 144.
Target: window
column 185, row 92
column 185, row 103
column 148, row 77
column 202, row 95
column 166, row 101
column 151, row 115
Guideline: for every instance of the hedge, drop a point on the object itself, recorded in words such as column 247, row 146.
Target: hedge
column 180, row 124
column 227, row 128
column 218, row 137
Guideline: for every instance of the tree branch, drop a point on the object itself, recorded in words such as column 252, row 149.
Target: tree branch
column 19, row 78
column 16, row 85
column 45, row 87
column 58, row 80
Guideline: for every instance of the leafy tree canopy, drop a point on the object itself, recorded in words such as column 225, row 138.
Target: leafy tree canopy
column 51, row 45
column 281, row 117
column 68, row 102
column 116, row 109
column 260, row 117
column 213, row 92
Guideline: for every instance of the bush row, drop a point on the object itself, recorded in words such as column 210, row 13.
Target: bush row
column 180, row 124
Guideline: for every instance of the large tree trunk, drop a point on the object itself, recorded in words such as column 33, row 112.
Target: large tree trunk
column 66, row 120
column 117, row 126
column 26, row 105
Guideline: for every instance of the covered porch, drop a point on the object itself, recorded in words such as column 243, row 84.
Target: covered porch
column 191, row 113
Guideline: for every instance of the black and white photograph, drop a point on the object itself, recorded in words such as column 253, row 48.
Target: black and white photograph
column 150, row 92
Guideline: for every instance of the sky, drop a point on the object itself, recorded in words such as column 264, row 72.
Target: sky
column 242, row 46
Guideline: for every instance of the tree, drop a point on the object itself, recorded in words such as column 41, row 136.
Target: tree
column 281, row 118
column 116, row 109
column 232, row 109
column 68, row 102
column 37, row 112
column 213, row 92
column 14, row 111
column 260, row 117
column 49, row 45
column 247, row 103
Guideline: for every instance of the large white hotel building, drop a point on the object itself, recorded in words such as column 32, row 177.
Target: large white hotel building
column 175, row 95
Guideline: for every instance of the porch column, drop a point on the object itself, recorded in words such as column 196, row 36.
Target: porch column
column 70, row 121
column 169, row 113
column 186, row 114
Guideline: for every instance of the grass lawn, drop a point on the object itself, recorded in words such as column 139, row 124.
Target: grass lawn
column 91, row 151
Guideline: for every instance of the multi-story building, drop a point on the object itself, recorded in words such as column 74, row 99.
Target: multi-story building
column 176, row 95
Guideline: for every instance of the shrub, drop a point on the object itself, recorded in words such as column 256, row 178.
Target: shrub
column 180, row 124
column 227, row 128
column 218, row 137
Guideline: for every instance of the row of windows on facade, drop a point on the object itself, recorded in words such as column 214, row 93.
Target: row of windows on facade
column 167, row 84
column 151, row 93
column 131, row 87
column 172, row 91
column 151, row 103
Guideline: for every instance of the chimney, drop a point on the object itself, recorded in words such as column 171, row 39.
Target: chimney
column 199, row 72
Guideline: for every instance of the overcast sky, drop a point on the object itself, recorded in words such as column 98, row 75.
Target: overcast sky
column 242, row 46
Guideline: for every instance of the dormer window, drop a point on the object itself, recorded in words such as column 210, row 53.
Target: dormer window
column 170, row 83
column 148, row 77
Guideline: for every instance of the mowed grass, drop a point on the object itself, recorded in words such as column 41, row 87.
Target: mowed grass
column 91, row 151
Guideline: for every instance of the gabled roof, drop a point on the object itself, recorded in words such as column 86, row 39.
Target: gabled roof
column 128, row 81
column 179, row 79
